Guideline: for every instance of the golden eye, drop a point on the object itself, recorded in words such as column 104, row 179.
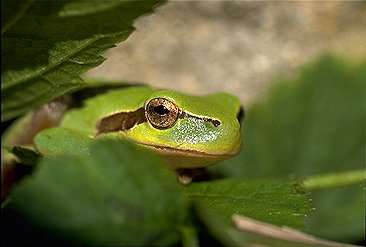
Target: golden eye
column 161, row 113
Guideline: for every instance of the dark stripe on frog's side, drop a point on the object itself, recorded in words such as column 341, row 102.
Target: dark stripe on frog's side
column 123, row 121
column 187, row 115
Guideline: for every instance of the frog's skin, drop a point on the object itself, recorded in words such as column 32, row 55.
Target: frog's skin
column 190, row 132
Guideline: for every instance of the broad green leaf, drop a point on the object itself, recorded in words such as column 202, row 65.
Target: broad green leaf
column 116, row 195
column 46, row 48
column 313, row 125
column 276, row 202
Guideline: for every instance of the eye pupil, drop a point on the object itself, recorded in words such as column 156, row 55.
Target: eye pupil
column 161, row 113
column 161, row 110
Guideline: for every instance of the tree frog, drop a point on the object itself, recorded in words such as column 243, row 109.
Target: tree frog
column 189, row 132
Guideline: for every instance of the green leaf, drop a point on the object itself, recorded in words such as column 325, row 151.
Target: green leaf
column 45, row 48
column 313, row 125
column 276, row 202
column 117, row 195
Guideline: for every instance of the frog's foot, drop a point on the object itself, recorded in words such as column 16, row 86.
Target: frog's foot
column 186, row 176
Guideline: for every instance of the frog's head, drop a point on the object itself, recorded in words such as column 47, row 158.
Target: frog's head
column 189, row 131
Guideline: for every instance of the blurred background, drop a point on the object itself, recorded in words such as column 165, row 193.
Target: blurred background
column 240, row 47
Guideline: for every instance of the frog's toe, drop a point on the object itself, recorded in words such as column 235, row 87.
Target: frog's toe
column 186, row 176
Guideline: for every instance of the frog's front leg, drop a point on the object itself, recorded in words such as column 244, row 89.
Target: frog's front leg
column 186, row 176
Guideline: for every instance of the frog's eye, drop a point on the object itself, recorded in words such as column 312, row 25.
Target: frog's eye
column 161, row 113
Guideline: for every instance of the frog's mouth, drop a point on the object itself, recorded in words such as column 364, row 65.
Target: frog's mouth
column 182, row 152
column 180, row 158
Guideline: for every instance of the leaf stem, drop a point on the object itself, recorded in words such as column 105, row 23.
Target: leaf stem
column 24, row 7
column 189, row 236
column 334, row 180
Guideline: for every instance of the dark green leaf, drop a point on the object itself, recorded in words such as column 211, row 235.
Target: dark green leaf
column 312, row 126
column 117, row 195
column 46, row 49
column 276, row 202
